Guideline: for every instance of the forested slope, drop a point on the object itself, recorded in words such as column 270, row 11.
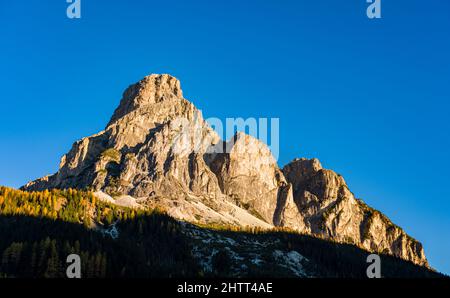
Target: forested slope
column 38, row 230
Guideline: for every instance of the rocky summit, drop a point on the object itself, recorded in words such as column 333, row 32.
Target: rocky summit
column 157, row 151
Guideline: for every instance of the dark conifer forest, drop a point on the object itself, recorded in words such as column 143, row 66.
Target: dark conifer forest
column 38, row 230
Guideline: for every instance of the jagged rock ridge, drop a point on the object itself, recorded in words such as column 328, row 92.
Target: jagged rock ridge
column 329, row 209
column 159, row 151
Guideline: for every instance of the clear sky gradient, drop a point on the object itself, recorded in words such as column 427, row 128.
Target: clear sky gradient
column 369, row 98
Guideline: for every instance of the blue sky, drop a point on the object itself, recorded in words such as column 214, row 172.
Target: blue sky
column 369, row 98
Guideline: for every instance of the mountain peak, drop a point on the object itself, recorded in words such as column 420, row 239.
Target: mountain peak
column 151, row 90
column 157, row 150
column 153, row 101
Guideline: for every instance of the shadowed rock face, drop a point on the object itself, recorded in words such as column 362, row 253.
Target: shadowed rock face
column 158, row 149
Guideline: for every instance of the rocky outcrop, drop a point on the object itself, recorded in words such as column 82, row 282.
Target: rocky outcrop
column 157, row 151
column 154, row 138
column 248, row 173
column 331, row 211
column 153, row 149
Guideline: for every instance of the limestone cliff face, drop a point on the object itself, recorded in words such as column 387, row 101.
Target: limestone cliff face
column 154, row 138
column 248, row 173
column 331, row 211
column 159, row 151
